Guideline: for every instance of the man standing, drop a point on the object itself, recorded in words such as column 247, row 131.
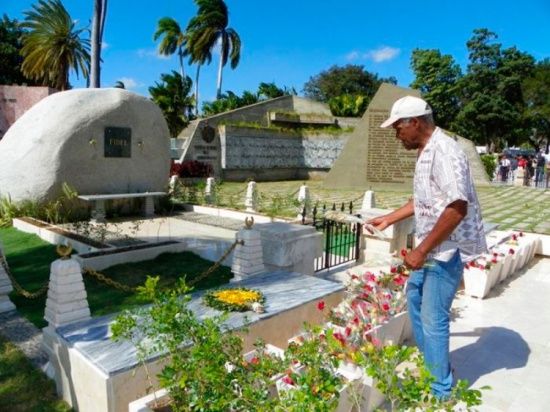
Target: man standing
column 449, row 231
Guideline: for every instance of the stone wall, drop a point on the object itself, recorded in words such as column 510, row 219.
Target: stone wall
column 272, row 151
column 16, row 100
column 237, row 153
column 388, row 161
column 373, row 158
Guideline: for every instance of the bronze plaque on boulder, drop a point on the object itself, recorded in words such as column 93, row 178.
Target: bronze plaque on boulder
column 118, row 142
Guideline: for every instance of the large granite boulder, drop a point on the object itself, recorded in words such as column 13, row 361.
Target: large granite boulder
column 96, row 140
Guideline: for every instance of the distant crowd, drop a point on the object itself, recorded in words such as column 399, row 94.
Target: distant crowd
column 526, row 170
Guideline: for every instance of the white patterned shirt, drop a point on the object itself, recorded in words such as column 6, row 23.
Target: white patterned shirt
column 442, row 176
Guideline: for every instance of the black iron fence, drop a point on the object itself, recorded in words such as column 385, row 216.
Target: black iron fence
column 341, row 240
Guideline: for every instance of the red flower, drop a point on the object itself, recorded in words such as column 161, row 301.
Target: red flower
column 354, row 277
column 495, row 254
column 321, row 305
column 494, row 260
column 472, row 264
column 356, row 320
column 511, row 251
column 521, row 234
column 403, row 252
column 347, row 331
column 369, row 277
column 399, row 280
column 386, row 306
column 288, row 380
column 482, row 267
column 514, row 237
column 393, row 269
column 255, row 360
column 339, row 337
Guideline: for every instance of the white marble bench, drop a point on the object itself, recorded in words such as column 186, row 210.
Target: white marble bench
column 98, row 211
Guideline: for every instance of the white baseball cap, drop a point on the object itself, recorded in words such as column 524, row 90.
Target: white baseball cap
column 408, row 106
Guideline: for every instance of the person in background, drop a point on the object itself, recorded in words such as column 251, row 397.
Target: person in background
column 541, row 166
column 504, row 168
column 448, row 227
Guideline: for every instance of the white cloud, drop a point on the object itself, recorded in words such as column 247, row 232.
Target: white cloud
column 352, row 56
column 383, row 54
column 104, row 45
column 129, row 83
column 143, row 53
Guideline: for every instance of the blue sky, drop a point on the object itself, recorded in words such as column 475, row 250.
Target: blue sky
column 287, row 42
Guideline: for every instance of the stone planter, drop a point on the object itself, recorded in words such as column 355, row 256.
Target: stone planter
column 390, row 332
column 506, row 267
column 477, row 282
column 494, row 273
column 146, row 404
column 270, row 350
column 360, row 391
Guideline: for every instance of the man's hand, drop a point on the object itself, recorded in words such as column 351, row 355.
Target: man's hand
column 415, row 259
column 380, row 223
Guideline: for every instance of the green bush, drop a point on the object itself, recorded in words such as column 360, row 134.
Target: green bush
column 348, row 105
column 489, row 163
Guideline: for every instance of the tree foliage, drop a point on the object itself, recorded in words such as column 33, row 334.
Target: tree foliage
column 173, row 40
column 491, row 93
column 208, row 29
column 487, row 104
column 10, row 57
column 172, row 96
column 53, row 45
column 437, row 79
column 536, row 91
column 231, row 101
column 348, row 105
column 349, row 79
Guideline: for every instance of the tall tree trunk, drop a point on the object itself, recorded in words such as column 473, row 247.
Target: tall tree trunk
column 220, row 70
column 197, row 90
column 98, row 24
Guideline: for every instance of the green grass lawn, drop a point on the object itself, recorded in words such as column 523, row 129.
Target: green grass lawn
column 23, row 387
column 29, row 259
column 512, row 207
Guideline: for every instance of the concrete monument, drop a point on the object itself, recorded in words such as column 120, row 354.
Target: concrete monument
column 96, row 140
column 374, row 158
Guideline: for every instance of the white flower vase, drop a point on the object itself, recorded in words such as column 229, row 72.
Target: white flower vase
column 494, row 273
column 515, row 262
column 523, row 255
column 536, row 246
column 272, row 350
column 390, row 331
column 359, row 393
column 476, row 282
column 506, row 267
column 147, row 403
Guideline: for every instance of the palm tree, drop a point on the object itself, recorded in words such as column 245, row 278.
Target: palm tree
column 171, row 95
column 98, row 24
column 53, row 46
column 174, row 40
column 207, row 29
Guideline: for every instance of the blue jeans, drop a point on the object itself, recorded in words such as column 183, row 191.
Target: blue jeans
column 430, row 293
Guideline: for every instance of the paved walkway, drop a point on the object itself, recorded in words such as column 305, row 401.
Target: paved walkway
column 502, row 341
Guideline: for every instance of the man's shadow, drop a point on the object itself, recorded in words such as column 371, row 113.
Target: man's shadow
column 497, row 348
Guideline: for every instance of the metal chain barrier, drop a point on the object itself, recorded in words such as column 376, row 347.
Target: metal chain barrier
column 212, row 268
column 18, row 288
column 108, row 281
column 117, row 285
